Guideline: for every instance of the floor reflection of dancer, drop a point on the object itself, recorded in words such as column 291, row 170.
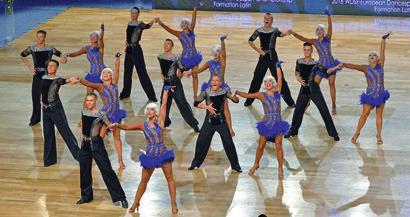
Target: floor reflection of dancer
column 93, row 147
column 375, row 95
column 271, row 128
column 310, row 90
column 323, row 47
column 95, row 55
column 134, row 57
column 156, row 155
column 172, row 72
column 109, row 94
column 379, row 194
column 190, row 57
column 273, row 205
column 54, row 115
column 215, row 121
column 217, row 66
column 267, row 59
column 41, row 53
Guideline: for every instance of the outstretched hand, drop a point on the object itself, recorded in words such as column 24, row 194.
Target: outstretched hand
column 102, row 27
column 211, row 109
column 278, row 64
column 223, row 37
column 112, row 126
column 118, row 54
column 198, row 4
column 327, row 11
column 74, row 80
column 386, row 36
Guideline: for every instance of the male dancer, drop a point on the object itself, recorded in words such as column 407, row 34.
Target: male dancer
column 215, row 120
column 267, row 59
column 53, row 114
column 134, row 57
column 41, row 53
column 93, row 147
column 310, row 90
column 170, row 64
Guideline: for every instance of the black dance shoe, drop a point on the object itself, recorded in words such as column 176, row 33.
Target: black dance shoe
column 122, row 203
column 33, row 123
column 290, row 134
column 196, row 129
column 336, row 138
column 192, row 167
column 82, row 200
column 238, row 170
column 247, row 104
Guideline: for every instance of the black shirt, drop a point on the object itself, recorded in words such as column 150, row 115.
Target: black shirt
column 134, row 32
column 93, row 122
column 50, row 88
column 169, row 66
column 267, row 40
column 40, row 55
column 216, row 98
column 304, row 69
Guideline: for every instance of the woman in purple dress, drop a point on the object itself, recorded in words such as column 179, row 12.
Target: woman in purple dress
column 156, row 154
column 95, row 55
column 190, row 57
column 272, row 127
column 109, row 93
column 326, row 59
column 375, row 95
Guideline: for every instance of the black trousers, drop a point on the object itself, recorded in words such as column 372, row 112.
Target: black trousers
column 55, row 116
column 97, row 151
column 204, row 142
column 35, row 97
column 179, row 96
column 301, row 103
column 135, row 58
column 260, row 71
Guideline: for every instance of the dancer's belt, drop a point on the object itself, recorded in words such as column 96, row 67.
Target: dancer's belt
column 216, row 119
column 50, row 105
column 40, row 69
column 134, row 44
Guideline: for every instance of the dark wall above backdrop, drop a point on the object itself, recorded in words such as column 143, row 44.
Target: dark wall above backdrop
column 342, row 7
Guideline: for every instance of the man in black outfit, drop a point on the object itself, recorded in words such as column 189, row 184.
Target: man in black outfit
column 134, row 57
column 215, row 121
column 172, row 71
column 310, row 90
column 267, row 59
column 41, row 53
column 54, row 115
column 92, row 147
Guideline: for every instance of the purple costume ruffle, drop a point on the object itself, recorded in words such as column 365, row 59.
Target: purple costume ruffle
column 271, row 129
column 327, row 75
column 374, row 101
column 117, row 116
column 93, row 77
column 206, row 85
column 151, row 162
column 190, row 61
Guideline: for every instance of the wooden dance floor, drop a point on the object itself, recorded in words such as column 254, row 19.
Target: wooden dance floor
column 322, row 177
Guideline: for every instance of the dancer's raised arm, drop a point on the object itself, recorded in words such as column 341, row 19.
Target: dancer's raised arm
column 280, row 76
column 101, row 40
column 223, row 55
column 194, row 12
column 329, row 23
column 383, row 48
column 168, row 29
column 116, row 68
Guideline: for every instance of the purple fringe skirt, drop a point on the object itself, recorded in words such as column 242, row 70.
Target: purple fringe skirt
column 326, row 75
column 271, row 129
column 149, row 161
column 190, row 61
column 93, row 77
column 374, row 100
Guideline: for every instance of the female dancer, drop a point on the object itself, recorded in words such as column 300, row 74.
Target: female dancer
column 375, row 94
column 190, row 57
column 109, row 93
column 271, row 128
column 95, row 55
column 156, row 155
column 217, row 66
column 323, row 47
